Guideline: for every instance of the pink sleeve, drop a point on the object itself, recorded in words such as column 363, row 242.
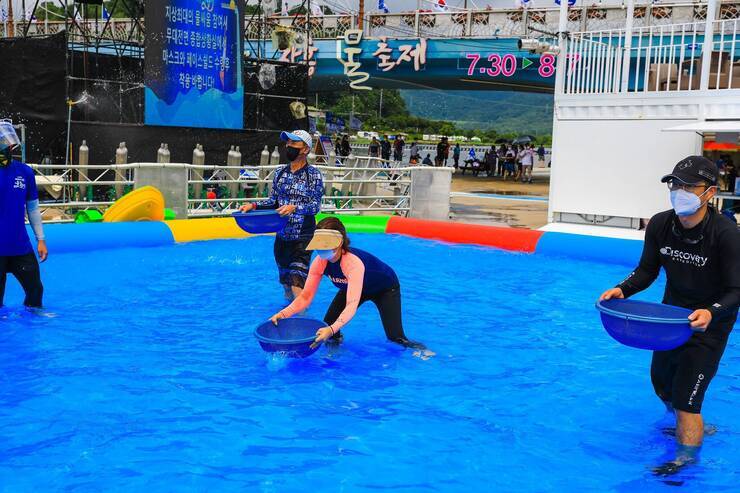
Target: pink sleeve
column 354, row 271
column 315, row 272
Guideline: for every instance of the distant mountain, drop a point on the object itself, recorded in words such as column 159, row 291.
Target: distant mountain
column 504, row 111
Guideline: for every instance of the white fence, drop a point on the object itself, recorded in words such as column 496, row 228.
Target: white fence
column 656, row 59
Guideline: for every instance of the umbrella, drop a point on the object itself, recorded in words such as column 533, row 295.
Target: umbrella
column 523, row 139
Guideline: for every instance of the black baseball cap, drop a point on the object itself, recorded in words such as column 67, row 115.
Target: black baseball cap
column 694, row 170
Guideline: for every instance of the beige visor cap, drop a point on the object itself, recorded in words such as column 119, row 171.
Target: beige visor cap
column 325, row 239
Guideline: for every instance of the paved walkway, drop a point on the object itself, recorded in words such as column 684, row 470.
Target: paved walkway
column 491, row 200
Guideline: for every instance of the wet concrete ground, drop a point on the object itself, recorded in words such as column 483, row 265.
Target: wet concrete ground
column 493, row 201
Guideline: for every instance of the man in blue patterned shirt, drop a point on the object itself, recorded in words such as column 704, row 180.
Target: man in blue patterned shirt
column 297, row 189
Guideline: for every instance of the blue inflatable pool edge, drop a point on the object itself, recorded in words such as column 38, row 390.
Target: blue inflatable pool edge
column 645, row 325
column 67, row 238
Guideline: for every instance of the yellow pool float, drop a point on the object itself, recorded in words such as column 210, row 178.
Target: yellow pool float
column 142, row 204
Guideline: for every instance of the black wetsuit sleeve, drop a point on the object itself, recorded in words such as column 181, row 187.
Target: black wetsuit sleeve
column 648, row 268
column 729, row 252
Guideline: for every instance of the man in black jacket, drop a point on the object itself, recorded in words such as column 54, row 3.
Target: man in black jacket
column 699, row 249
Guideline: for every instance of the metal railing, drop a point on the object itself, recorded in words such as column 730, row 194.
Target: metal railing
column 660, row 59
column 117, row 28
column 506, row 22
column 364, row 185
column 481, row 23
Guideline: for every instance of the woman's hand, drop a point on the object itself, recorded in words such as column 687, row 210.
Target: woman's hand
column 248, row 207
column 278, row 316
column 321, row 335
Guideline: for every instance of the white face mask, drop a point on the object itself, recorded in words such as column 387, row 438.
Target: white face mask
column 325, row 254
column 685, row 203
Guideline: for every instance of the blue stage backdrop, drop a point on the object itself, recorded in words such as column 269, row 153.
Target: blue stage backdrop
column 193, row 63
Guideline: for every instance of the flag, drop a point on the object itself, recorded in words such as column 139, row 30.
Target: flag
column 105, row 13
column 570, row 2
column 441, row 5
column 316, row 9
column 471, row 153
column 284, row 11
column 382, row 7
column 3, row 14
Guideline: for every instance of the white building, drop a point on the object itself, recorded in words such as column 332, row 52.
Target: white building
column 629, row 104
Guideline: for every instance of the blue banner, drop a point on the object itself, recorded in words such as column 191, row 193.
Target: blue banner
column 193, row 64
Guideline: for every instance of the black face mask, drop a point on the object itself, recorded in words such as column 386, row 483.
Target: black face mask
column 292, row 153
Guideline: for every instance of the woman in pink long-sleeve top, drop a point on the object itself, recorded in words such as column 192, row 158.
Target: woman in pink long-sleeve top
column 359, row 276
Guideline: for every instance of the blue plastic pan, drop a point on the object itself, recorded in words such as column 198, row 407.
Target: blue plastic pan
column 292, row 336
column 260, row 222
column 645, row 325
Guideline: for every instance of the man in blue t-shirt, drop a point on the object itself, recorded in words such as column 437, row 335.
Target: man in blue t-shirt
column 18, row 195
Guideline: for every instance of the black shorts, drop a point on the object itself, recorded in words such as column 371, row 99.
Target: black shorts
column 681, row 376
column 292, row 260
column 25, row 268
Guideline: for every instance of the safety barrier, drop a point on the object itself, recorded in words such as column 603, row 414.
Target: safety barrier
column 63, row 238
column 365, row 184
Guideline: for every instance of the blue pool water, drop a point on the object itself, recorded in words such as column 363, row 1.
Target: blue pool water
column 148, row 378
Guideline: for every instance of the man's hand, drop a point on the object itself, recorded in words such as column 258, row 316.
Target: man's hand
column 321, row 335
column 278, row 316
column 43, row 251
column 247, row 207
column 612, row 293
column 700, row 320
column 286, row 210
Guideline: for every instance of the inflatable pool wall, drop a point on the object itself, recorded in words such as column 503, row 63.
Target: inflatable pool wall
column 63, row 238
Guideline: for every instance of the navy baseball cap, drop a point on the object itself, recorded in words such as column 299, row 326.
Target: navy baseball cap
column 694, row 170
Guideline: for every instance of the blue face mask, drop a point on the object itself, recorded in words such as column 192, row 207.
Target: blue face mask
column 325, row 254
column 685, row 203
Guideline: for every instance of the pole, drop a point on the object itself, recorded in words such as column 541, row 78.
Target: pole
column 706, row 55
column 11, row 30
column 627, row 50
column 361, row 17
column 380, row 108
column 69, row 125
column 561, row 66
